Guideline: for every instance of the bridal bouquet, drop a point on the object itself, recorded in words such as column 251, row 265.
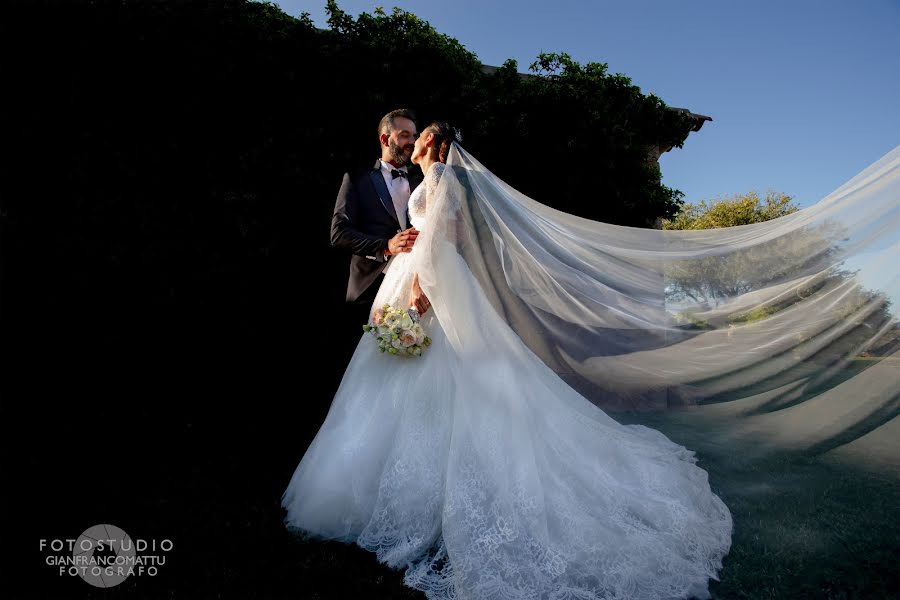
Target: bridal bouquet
column 398, row 331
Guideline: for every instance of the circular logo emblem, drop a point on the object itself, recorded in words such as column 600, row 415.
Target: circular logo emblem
column 104, row 539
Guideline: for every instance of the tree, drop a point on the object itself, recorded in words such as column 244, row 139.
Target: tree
column 741, row 209
column 803, row 259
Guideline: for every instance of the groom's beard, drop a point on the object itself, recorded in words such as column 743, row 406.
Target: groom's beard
column 399, row 154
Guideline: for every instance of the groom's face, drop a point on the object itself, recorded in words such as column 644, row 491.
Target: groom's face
column 401, row 140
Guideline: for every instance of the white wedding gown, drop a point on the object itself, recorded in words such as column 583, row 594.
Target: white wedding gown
column 481, row 473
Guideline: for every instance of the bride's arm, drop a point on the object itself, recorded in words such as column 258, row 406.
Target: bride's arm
column 450, row 225
column 454, row 224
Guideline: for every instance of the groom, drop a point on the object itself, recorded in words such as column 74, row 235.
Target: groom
column 370, row 215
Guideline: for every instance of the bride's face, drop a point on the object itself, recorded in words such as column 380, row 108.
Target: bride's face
column 422, row 147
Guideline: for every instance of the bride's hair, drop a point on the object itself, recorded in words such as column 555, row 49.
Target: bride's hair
column 444, row 136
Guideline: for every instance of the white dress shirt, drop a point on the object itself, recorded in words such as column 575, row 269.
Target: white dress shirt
column 399, row 189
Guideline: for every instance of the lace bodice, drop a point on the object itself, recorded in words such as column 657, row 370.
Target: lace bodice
column 418, row 200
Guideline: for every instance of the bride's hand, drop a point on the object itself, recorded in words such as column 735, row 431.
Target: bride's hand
column 417, row 298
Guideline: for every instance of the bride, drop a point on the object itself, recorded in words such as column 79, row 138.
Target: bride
column 475, row 467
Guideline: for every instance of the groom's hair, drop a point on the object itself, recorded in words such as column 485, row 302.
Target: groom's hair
column 387, row 121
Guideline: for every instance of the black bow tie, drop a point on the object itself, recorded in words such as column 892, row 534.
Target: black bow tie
column 395, row 173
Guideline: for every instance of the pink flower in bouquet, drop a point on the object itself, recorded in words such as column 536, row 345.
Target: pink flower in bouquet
column 408, row 338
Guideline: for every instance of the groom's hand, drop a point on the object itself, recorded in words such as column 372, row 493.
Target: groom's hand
column 402, row 242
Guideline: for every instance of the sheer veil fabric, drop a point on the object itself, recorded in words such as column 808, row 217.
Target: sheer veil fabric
column 785, row 331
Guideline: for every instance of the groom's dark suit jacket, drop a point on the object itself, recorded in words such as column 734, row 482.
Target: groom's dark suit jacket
column 363, row 222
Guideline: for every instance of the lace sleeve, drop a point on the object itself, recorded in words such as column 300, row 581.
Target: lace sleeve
column 432, row 180
column 443, row 195
column 445, row 228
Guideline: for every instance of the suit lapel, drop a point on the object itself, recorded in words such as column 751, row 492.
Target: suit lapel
column 381, row 189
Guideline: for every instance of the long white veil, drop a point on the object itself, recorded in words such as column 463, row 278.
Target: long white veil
column 777, row 335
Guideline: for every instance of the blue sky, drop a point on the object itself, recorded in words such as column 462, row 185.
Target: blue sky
column 803, row 94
